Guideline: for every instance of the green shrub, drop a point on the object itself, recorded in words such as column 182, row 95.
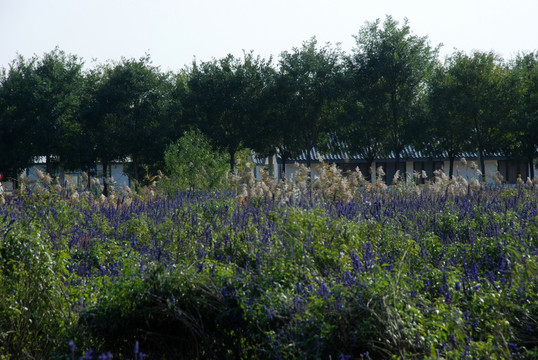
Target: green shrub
column 192, row 164
column 34, row 301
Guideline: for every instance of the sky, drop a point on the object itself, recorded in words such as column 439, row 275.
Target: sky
column 176, row 32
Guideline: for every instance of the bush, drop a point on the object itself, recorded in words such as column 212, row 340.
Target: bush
column 35, row 313
column 192, row 164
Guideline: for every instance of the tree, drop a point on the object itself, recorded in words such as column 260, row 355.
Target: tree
column 100, row 120
column 137, row 94
column 524, row 113
column 392, row 65
column 277, row 130
column 448, row 130
column 223, row 99
column 359, row 127
column 16, row 92
column 310, row 84
column 124, row 115
column 479, row 99
column 55, row 100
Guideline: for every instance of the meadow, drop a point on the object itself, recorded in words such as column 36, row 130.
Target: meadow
column 331, row 268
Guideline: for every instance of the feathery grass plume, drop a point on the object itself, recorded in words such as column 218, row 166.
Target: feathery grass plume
column 380, row 172
column 498, row 178
column 475, row 184
column 25, row 180
column 529, row 183
column 519, row 182
column 332, row 184
column 46, row 180
column 463, row 161
column 43, row 177
column 75, row 197
column 416, row 176
column 358, row 182
column 396, row 177
column 379, row 183
column 423, row 174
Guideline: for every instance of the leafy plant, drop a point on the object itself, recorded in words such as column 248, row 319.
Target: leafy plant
column 192, row 164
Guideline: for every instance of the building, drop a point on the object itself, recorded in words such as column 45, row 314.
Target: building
column 410, row 161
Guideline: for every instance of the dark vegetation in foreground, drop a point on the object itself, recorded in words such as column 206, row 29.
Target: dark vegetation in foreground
column 403, row 272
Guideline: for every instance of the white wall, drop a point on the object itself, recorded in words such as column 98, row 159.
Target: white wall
column 465, row 171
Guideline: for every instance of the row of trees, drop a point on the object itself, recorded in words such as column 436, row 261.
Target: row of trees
column 391, row 91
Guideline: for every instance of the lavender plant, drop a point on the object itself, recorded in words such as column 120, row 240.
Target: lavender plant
column 335, row 268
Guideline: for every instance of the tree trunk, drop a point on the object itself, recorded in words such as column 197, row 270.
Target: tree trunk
column 451, row 166
column 47, row 164
column 531, row 168
column 309, row 157
column 480, row 148
column 482, row 164
column 271, row 166
column 135, row 171
column 232, row 160
column 369, row 162
column 397, row 164
column 105, row 180
column 283, row 172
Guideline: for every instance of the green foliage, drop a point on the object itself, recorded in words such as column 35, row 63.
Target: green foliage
column 309, row 85
column 389, row 69
column 35, row 311
column 421, row 272
column 192, row 164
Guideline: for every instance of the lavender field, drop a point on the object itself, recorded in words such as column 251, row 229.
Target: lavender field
column 208, row 275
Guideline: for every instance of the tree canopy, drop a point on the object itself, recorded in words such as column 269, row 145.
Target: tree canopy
column 391, row 91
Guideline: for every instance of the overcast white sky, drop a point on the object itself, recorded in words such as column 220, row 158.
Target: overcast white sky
column 173, row 32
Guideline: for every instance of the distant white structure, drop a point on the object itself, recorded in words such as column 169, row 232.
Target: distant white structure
column 115, row 171
column 410, row 161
